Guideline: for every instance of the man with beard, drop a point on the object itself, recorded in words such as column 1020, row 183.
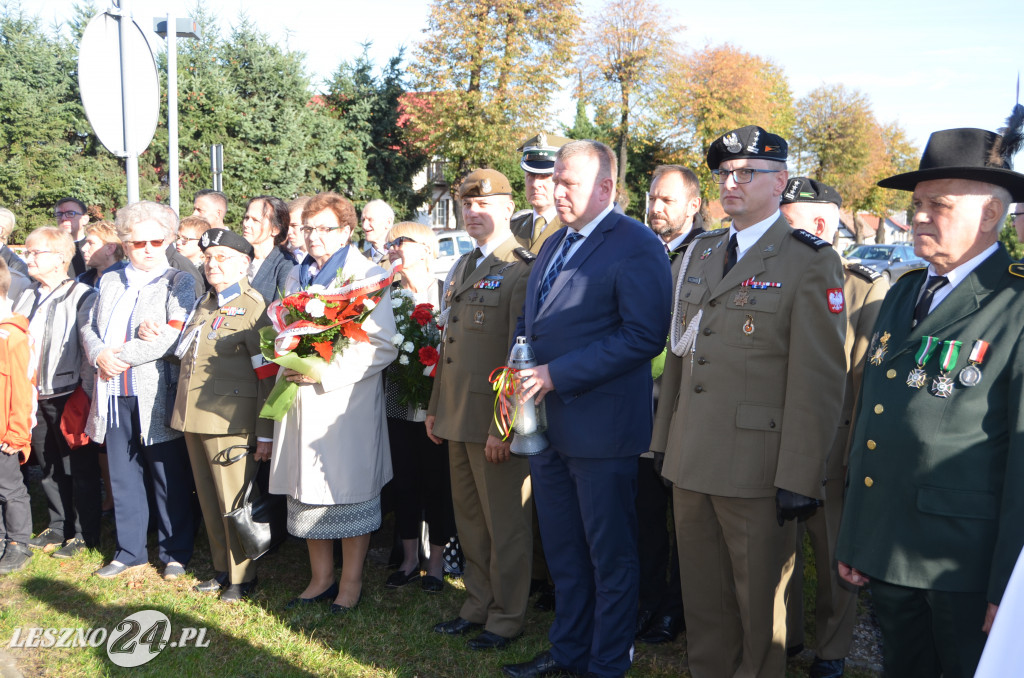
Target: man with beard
column 673, row 213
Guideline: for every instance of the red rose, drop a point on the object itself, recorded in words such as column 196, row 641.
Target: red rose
column 422, row 314
column 428, row 355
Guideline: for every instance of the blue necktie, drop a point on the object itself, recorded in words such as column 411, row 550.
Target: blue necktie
column 556, row 266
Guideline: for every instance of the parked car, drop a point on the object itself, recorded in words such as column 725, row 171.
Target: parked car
column 450, row 245
column 891, row 261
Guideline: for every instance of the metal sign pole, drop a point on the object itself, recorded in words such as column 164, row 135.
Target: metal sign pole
column 172, row 111
column 131, row 163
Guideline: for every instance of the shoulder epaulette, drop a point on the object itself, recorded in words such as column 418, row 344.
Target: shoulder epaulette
column 913, row 270
column 1017, row 270
column 810, row 239
column 711, row 234
column 863, row 271
column 525, row 255
column 254, row 294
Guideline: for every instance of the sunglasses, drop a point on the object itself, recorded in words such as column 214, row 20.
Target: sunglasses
column 399, row 241
column 139, row 244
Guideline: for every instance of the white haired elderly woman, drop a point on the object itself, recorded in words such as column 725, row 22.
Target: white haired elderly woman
column 135, row 390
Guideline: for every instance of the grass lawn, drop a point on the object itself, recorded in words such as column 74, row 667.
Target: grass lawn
column 389, row 634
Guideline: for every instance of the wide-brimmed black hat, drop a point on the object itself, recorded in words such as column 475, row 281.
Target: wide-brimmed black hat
column 966, row 153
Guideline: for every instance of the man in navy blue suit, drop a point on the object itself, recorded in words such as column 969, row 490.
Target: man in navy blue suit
column 597, row 311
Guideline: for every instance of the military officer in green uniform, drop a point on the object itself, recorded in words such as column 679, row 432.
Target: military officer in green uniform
column 814, row 207
column 934, row 514
column 532, row 227
column 223, row 383
column 749, row 405
column 490, row 487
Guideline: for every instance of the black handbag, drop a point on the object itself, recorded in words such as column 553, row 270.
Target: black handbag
column 261, row 524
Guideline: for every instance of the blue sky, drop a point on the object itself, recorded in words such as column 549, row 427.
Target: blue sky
column 929, row 65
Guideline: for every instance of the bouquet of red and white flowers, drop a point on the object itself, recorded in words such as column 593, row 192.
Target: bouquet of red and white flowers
column 417, row 341
column 310, row 327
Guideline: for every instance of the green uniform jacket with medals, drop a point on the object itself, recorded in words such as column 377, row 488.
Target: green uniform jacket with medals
column 522, row 229
column 864, row 290
column 477, row 337
column 755, row 406
column 934, row 496
column 218, row 388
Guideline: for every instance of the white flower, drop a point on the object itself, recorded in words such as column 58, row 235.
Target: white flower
column 396, row 301
column 408, row 347
column 314, row 289
column 369, row 304
column 315, row 307
column 403, row 360
column 397, row 339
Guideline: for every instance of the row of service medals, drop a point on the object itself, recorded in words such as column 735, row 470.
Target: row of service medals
column 942, row 384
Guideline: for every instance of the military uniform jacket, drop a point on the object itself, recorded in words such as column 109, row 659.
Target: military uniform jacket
column 522, row 229
column 934, row 497
column 481, row 325
column 755, row 405
column 219, row 388
column 864, row 290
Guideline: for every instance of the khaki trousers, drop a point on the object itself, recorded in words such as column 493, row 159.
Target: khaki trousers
column 734, row 564
column 220, row 487
column 835, row 604
column 494, row 518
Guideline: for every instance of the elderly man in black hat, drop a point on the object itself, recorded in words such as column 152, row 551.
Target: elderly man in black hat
column 814, row 207
column 754, row 388
column 532, row 227
column 934, row 514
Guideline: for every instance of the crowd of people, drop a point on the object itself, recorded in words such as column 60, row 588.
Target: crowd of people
column 709, row 397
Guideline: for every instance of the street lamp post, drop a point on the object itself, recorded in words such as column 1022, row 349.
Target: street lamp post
column 184, row 28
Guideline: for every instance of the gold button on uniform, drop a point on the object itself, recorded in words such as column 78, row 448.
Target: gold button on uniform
column 871, row 445
column 891, row 374
column 879, row 409
column 868, row 481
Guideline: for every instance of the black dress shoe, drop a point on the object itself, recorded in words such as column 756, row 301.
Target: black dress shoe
column 827, row 668
column 399, row 579
column 643, row 621
column 664, row 629
column 330, row 594
column 237, row 592
column 219, row 581
column 343, row 609
column 489, row 641
column 545, row 601
column 432, row 584
column 457, row 627
column 541, row 665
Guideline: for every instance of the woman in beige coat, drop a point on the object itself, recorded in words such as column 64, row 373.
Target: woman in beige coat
column 330, row 454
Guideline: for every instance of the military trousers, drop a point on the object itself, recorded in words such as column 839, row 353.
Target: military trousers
column 493, row 517
column 220, row 487
column 734, row 563
column 835, row 603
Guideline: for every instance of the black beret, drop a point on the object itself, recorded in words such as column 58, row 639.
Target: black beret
column 747, row 142
column 802, row 189
column 222, row 237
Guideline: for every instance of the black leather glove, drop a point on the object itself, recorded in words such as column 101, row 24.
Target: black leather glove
column 790, row 506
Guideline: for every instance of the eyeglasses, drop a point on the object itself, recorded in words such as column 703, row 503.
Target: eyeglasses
column 184, row 239
column 399, row 241
column 31, row 254
column 744, row 175
column 139, row 244
column 221, row 258
column 70, row 214
column 321, row 230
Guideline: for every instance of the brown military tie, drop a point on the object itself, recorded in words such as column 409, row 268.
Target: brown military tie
column 538, row 227
column 471, row 264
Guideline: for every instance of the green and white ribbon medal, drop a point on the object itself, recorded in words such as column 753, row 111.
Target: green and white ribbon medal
column 917, row 377
column 942, row 385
